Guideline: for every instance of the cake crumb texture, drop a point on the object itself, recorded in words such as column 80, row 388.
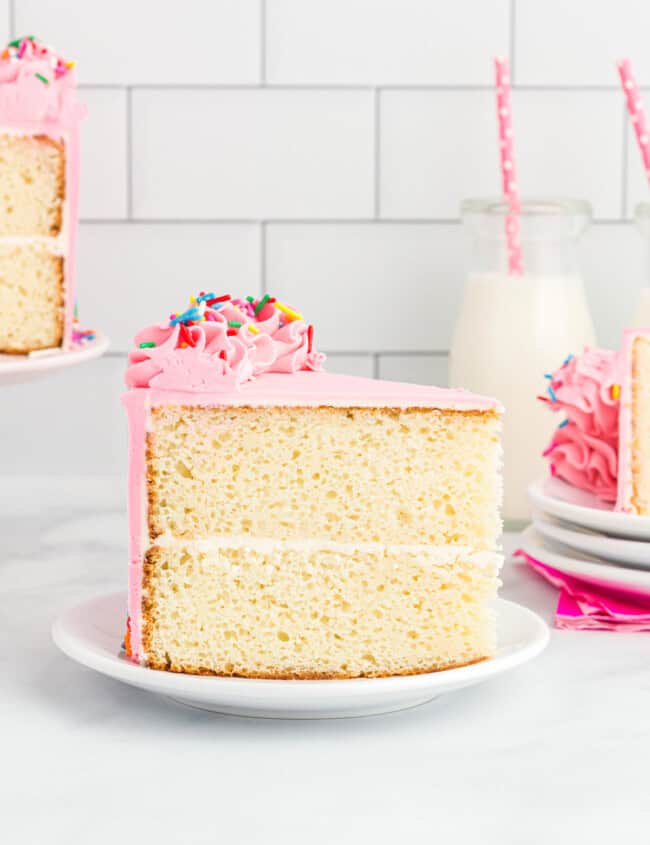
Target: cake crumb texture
column 292, row 610
column 32, row 179
column 342, row 474
column 31, row 298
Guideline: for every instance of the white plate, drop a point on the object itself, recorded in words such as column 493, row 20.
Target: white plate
column 15, row 369
column 581, row 508
column 91, row 633
column 627, row 552
column 574, row 563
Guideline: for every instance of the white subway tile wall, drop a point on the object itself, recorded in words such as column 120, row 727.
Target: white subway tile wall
column 319, row 150
column 132, row 274
column 257, row 154
column 374, row 286
column 150, row 42
column 104, row 153
column 577, row 42
column 420, row 369
column 379, row 42
column 436, row 148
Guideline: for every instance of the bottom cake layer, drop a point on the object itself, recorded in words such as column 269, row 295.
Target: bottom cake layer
column 31, row 297
column 270, row 609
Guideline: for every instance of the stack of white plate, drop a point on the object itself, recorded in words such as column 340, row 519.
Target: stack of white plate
column 577, row 534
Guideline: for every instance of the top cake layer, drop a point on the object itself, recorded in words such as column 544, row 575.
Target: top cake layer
column 37, row 87
column 240, row 351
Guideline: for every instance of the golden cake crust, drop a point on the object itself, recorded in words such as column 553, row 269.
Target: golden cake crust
column 59, row 146
column 305, row 676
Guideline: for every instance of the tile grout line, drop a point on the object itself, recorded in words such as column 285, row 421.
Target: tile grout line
column 129, row 153
column 377, row 151
column 375, row 364
column 351, row 87
column 263, row 281
column 297, row 221
column 624, row 163
column 12, row 19
column 262, row 44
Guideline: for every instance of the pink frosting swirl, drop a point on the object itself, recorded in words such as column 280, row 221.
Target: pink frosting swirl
column 37, row 85
column 584, row 449
column 210, row 356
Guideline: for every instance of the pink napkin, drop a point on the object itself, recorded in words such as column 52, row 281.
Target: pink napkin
column 587, row 605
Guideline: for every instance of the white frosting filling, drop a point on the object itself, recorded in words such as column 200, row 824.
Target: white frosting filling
column 446, row 555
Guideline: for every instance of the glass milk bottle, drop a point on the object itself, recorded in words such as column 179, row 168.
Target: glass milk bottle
column 514, row 328
column 641, row 318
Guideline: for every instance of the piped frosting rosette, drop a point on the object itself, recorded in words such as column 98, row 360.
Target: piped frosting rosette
column 37, row 85
column 219, row 343
column 584, row 448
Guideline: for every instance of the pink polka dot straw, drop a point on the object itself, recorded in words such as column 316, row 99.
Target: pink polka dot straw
column 508, row 170
column 636, row 111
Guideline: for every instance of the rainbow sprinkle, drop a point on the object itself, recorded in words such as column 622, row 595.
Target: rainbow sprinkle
column 204, row 307
column 28, row 48
column 147, row 345
column 261, row 303
column 289, row 312
column 191, row 315
column 79, row 335
column 615, row 391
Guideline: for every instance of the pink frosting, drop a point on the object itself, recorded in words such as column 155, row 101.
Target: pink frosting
column 26, row 97
column 203, row 358
column 584, row 449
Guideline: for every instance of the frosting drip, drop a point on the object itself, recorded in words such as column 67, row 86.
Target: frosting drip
column 216, row 350
column 37, row 85
column 584, row 448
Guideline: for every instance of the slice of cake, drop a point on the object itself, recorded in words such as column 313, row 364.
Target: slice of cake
column 603, row 442
column 290, row 523
column 39, row 176
column 584, row 448
column 634, row 425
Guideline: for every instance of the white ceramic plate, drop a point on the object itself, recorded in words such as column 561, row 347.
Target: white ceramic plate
column 627, row 552
column 574, row 563
column 91, row 633
column 558, row 499
column 15, row 369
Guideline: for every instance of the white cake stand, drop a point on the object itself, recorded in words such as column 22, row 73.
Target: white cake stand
column 15, row 369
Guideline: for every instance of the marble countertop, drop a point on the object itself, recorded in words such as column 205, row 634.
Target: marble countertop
column 556, row 750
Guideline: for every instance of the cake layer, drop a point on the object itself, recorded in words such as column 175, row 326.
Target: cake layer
column 315, row 610
column 419, row 475
column 31, row 297
column 32, row 185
